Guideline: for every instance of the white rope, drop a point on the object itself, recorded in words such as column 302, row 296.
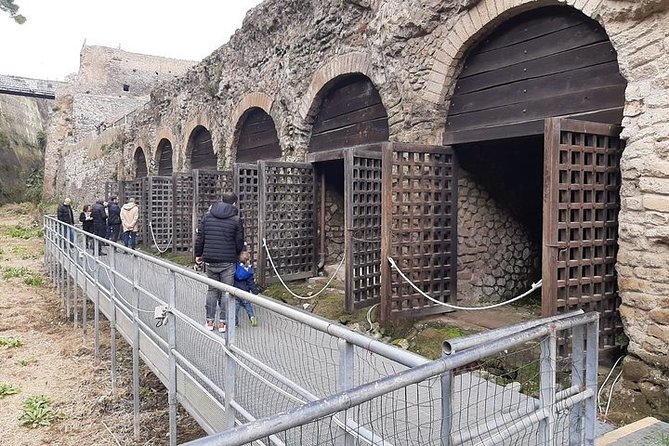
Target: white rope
column 155, row 242
column 606, row 412
column 369, row 313
column 601, row 389
column 456, row 307
column 269, row 257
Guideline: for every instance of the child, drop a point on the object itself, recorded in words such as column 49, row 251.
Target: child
column 244, row 281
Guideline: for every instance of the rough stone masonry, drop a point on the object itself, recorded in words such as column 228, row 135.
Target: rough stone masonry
column 288, row 50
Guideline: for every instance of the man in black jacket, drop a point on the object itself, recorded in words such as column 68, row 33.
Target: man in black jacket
column 220, row 239
column 113, row 219
column 99, row 214
column 66, row 215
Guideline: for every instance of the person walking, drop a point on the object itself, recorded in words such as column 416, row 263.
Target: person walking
column 99, row 214
column 245, row 280
column 66, row 215
column 113, row 219
column 220, row 239
column 130, row 222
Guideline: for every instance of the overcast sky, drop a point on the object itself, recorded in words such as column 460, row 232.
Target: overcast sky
column 47, row 46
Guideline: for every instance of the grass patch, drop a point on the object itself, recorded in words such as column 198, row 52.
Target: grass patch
column 11, row 342
column 22, row 232
column 26, row 362
column 12, row 272
column 33, row 280
column 37, row 412
column 8, row 389
column 428, row 342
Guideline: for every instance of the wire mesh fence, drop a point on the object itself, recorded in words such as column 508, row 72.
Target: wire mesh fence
column 300, row 379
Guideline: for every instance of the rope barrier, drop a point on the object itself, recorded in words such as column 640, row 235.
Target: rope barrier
column 271, row 261
column 457, row 307
column 155, row 242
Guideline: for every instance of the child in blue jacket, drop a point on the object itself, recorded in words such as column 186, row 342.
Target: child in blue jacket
column 244, row 281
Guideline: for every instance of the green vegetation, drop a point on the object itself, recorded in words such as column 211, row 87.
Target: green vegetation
column 11, row 342
column 8, row 389
column 41, row 140
column 34, row 184
column 26, row 362
column 33, row 280
column 22, row 232
column 37, row 412
column 428, row 342
column 11, row 272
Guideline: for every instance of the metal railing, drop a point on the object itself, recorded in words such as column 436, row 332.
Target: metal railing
column 300, row 379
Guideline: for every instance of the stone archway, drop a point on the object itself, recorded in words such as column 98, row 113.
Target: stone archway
column 164, row 157
column 200, row 149
column 141, row 168
column 256, row 137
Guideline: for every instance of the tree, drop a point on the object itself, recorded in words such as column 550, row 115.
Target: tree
column 12, row 9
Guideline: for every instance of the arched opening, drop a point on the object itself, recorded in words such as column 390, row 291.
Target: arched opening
column 201, row 149
column 164, row 157
column 141, row 170
column 351, row 114
column 549, row 62
column 257, row 139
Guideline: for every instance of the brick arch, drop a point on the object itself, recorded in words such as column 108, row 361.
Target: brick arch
column 200, row 120
column 470, row 26
column 256, row 99
column 338, row 66
column 140, row 162
column 165, row 133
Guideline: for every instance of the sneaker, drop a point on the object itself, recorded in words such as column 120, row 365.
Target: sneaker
column 210, row 325
column 221, row 327
column 254, row 321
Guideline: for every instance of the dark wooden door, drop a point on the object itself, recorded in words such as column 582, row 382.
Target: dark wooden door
column 580, row 229
column 286, row 221
column 419, row 221
column 246, row 187
column 362, row 232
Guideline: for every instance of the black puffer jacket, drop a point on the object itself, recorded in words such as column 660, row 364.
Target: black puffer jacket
column 220, row 236
column 114, row 213
column 65, row 214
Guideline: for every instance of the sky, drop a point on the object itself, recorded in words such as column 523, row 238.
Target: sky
column 47, row 45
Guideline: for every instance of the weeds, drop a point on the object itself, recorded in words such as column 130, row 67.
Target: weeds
column 34, row 280
column 26, row 362
column 8, row 389
column 22, row 232
column 29, row 277
column 37, row 412
column 11, row 342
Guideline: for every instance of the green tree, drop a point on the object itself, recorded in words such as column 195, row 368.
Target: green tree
column 13, row 10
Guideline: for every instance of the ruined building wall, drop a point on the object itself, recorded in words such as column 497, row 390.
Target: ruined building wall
column 412, row 50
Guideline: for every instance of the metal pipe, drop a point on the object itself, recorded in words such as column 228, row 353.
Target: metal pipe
column 172, row 375
column 452, row 345
column 347, row 399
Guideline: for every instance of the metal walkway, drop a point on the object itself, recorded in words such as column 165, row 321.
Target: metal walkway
column 298, row 379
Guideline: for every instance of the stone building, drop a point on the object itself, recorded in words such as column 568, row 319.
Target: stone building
column 439, row 72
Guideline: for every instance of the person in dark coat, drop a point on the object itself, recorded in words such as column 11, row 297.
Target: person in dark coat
column 113, row 219
column 99, row 215
column 87, row 224
column 66, row 215
column 220, row 239
column 244, row 280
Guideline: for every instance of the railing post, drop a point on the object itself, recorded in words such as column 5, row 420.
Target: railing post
column 345, row 382
column 172, row 383
column 446, row 407
column 114, row 365
column 577, row 379
column 135, row 346
column 84, row 297
column 591, row 361
column 96, row 302
column 548, row 368
column 230, row 365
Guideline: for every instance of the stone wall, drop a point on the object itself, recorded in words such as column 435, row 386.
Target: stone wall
column 288, row 51
column 497, row 259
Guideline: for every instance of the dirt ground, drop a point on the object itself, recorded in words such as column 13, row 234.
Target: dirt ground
column 55, row 360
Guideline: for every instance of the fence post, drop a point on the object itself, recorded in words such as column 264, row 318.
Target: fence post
column 75, row 297
column 96, row 302
column 591, row 360
column 548, row 365
column 135, row 346
column 84, row 297
column 172, row 382
column 113, row 296
column 345, row 382
column 230, row 365
column 577, row 379
column 446, row 407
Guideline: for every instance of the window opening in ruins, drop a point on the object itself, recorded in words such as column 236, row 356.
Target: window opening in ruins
column 141, row 170
column 499, row 218
column 164, row 157
column 201, row 150
column 126, row 87
column 257, row 138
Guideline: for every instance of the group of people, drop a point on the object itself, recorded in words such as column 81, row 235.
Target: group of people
column 220, row 246
column 106, row 220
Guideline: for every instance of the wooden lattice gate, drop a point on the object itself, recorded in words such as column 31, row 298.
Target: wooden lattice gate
column 362, row 235
column 246, row 188
column 419, row 221
column 581, row 205
column 208, row 188
column 286, row 220
column 182, row 194
column 160, row 212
